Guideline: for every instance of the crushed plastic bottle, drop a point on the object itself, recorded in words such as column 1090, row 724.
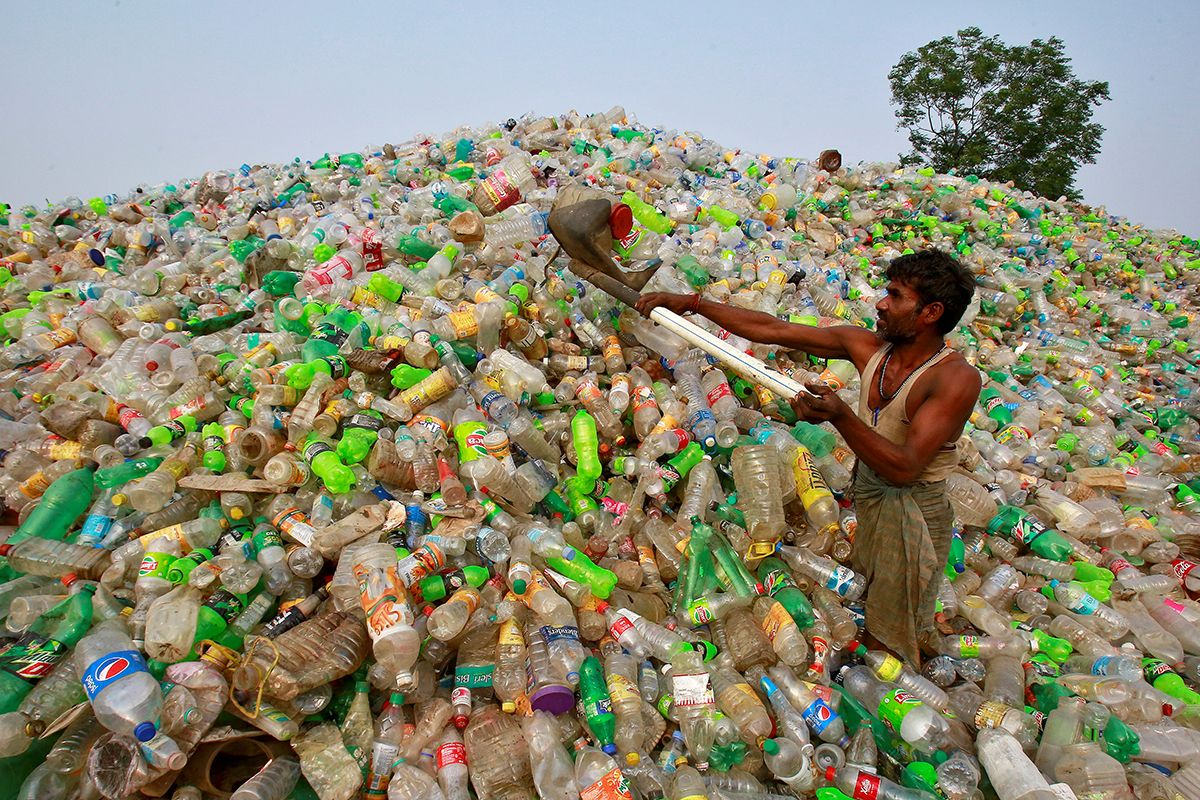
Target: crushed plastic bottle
column 288, row 443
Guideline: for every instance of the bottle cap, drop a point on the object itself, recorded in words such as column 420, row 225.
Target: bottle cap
column 830, row 772
column 145, row 731
column 620, row 220
column 610, row 748
column 632, row 759
column 555, row 698
column 1054, row 582
column 770, row 747
column 518, row 585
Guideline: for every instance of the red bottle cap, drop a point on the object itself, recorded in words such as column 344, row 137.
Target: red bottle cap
column 620, row 221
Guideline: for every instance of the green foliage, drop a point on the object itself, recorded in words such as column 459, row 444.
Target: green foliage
column 972, row 103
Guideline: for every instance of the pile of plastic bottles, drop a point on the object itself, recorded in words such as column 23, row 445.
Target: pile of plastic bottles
column 328, row 479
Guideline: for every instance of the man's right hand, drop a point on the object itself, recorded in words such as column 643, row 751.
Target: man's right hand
column 679, row 303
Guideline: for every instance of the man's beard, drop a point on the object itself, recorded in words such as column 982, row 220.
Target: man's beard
column 899, row 331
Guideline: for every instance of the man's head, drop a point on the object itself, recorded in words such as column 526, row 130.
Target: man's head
column 927, row 291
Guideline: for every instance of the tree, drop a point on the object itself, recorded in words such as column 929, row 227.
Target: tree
column 972, row 103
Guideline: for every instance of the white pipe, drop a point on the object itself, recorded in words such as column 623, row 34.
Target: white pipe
column 747, row 366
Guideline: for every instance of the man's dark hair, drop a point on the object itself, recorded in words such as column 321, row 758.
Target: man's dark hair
column 936, row 277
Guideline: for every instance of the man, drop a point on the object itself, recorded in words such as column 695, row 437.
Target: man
column 916, row 396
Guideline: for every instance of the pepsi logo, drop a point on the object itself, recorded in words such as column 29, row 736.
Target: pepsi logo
column 110, row 668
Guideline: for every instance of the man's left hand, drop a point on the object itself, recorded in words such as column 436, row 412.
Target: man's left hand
column 823, row 405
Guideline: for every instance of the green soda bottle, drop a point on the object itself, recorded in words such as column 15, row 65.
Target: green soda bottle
column 330, row 333
column 45, row 643
column 587, row 454
column 678, row 467
column 582, row 569
column 326, row 465
column 165, row 434
column 1160, row 675
column 1121, row 741
column 993, row 404
column 649, row 216
column 406, row 376
column 300, row 376
column 280, row 283
column 61, row 505
column 1089, row 574
column 127, row 471
column 358, row 436
column 777, row 580
column 597, row 706
column 1016, row 524
column 214, row 447
column 412, row 245
column 1059, row 650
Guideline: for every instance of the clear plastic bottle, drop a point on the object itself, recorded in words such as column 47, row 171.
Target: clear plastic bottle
column 327, row 765
column 389, row 615
column 124, row 696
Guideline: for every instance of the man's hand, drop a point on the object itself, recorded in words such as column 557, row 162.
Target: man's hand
column 822, row 405
column 679, row 303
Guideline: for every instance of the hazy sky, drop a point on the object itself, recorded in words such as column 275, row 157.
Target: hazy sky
column 102, row 96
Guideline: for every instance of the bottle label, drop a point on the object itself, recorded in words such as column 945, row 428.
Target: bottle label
column 464, row 323
column 691, row 690
column 105, row 671
column 474, row 677
column 818, row 715
column 372, row 250
column 567, row 632
column 820, row 649
column 510, row 634
column 968, row 646
column 1152, row 668
column 294, row 524
column 776, row 619
column 32, row 656
column 620, row 626
column 612, row 786
column 1182, row 568
column 1027, row 529
column 364, row 422
column 621, row 689
column 316, row 448
column 500, row 190
column 866, row 787
column 460, row 696
column 225, row 603
column 1087, row 605
column 700, row 611
column 451, row 753
column 95, row 528
column 890, row 668
column 155, row 565
column 840, row 580
column 383, row 599
column 990, row 715
column 895, row 706
column 1119, row 565
column 424, row 561
column 717, row 392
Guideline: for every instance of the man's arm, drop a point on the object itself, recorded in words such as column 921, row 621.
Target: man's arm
column 940, row 419
column 842, row 341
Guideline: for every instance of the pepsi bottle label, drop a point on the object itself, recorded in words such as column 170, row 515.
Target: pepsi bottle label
column 107, row 670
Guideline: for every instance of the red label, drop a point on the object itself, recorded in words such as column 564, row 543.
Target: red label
column 1119, row 565
column 451, row 753
column 619, row 626
column 1182, row 567
column 372, row 250
column 717, row 392
column 866, row 787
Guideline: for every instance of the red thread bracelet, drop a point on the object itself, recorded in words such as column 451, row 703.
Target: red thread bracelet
column 695, row 309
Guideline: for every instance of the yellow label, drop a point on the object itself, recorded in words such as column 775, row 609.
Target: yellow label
column 810, row 483
column 428, row 391
column 464, row 323
column 612, row 347
column 621, row 688
column 890, row 669
column 510, row 633
column 65, row 451
column 775, row 620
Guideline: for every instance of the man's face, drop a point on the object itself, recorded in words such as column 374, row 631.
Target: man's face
column 898, row 312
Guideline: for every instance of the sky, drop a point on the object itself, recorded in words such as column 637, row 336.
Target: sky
column 102, row 96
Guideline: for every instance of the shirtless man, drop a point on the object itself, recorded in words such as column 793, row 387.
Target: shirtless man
column 917, row 394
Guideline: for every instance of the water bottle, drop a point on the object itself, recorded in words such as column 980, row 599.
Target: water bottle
column 124, row 695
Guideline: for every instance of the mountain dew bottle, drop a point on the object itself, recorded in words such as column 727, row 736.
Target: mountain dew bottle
column 214, row 444
column 1018, row 525
column 45, row 643
column 300, row 376
column 358, row 436
column 61, row 505
column 333, row 330
column 778, row 582
column 320, row 455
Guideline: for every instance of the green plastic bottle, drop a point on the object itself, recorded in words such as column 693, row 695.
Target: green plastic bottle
column 45, row 643
column 300, row 376
column 127, row 471
column 993, row 404
column 61, row 505
column 358, row 436
column 1162, row 677
column 1059, row 650
column 649, row 216
column 214, row 444
column 678, row 467
column 1017, row 524
column 406, row 376
column 777, row 580
column 320, row 455
column 583, row 570
column 160, row 435
column 597, row 706
column 587, row 455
